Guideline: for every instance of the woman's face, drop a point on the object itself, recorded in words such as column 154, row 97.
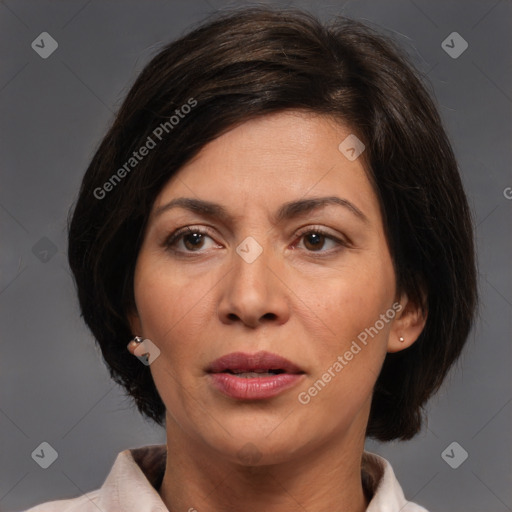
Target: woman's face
column 259, row 268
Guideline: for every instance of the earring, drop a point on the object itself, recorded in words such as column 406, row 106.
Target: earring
column 401, row 339
column 137, row 340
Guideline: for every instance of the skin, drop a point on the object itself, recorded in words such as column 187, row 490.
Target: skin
column 199, row 302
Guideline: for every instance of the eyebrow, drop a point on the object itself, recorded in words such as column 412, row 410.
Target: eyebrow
column 287, row 211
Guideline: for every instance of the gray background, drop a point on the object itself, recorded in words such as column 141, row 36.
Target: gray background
column 53, row 384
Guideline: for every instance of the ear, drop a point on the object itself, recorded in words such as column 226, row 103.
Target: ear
column 134, row 322
column 136, row 329
column 408, row 324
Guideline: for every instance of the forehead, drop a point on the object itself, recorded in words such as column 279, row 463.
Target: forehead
column 274, row 159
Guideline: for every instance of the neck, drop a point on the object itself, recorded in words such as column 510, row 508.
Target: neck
column 199, row 478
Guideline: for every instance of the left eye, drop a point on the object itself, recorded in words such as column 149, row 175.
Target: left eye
column 315, row 240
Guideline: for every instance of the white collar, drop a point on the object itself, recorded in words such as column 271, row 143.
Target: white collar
column 137, row 473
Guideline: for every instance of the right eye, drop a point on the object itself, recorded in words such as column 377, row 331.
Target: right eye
column 189, row 239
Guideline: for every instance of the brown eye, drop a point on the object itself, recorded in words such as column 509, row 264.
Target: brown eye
column 319, row 241
column 193, row 241
column 314, row 241
column 189, row 240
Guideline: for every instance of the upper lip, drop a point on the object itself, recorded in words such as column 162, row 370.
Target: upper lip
column 241, row 362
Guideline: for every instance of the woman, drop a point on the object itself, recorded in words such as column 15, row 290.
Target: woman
column 276, row 222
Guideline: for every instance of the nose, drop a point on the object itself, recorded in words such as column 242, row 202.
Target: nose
column 253, row 293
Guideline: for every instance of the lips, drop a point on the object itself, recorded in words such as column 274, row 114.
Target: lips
column 262, row 362
column 257, row 376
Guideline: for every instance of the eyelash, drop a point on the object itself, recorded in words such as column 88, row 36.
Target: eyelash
column 171, row 240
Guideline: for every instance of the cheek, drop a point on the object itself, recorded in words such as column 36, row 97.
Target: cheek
column 351, row 350
column 170, row 303
column 348, row 307
column 354, row 297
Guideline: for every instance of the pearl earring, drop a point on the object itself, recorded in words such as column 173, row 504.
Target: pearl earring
column 401, row 339
column 136, row 340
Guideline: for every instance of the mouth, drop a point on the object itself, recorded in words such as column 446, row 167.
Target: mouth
column 260, row 364
column 253, row 376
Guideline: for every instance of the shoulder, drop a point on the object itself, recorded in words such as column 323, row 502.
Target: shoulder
column 85, row 503
column 131, row 485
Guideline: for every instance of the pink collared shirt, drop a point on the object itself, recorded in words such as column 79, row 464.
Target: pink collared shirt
column 137, row 473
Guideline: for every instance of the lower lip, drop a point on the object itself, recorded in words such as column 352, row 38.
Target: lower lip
column 254, row 388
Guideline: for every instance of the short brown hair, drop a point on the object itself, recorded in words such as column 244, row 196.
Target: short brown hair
column 248, row 63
